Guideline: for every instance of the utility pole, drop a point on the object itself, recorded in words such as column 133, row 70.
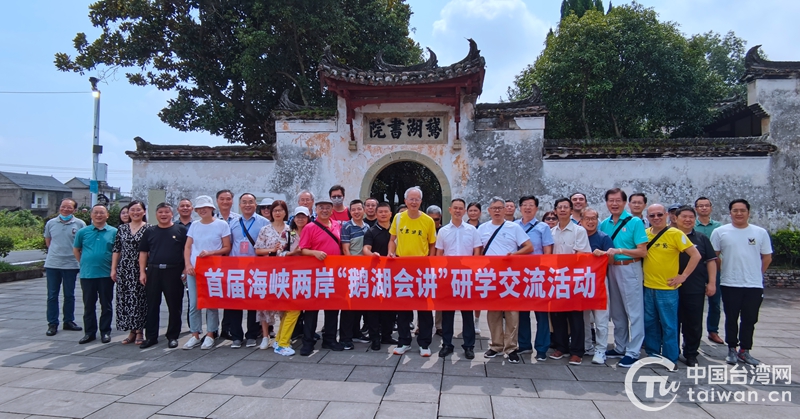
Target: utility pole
column 97, row 149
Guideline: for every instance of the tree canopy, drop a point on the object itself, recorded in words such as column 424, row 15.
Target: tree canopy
column 625, row 74
column 229, row 61
column 580, row 7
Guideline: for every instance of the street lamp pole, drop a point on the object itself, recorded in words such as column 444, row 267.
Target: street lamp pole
column 96, row 148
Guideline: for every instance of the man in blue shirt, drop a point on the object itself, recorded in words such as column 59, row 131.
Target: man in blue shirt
column 542, row 240
column 92, row 249
column 600, row 243
column 625, row 278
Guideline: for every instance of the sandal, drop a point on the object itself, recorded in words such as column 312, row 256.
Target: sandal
column 139, row 338
column 130, row 339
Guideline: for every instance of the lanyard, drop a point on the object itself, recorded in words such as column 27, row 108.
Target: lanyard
column 241, row 223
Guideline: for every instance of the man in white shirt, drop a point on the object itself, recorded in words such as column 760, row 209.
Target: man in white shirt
column 568, row 328
column 503, row 238
column 458, row 239
column 744, row 252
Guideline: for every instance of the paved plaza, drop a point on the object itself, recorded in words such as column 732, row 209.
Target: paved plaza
column 44, row 376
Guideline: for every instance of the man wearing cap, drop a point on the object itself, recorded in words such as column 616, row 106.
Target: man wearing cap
column 244, row 230
column 60, row 265
column 706, row 225
column 92, row 249
column 413, row 233
column 625, row 278
column 661, row 282
column 161, row 271
column 673, row 219
column 320, row 238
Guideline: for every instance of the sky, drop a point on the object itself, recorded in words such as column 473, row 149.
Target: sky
column 51, row 133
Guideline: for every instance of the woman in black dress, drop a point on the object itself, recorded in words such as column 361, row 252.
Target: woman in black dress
column 131, row 300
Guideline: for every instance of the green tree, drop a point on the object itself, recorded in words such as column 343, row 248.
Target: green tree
column 580, row 7
column 624, row 74
column 725, row 57
column 229, row 61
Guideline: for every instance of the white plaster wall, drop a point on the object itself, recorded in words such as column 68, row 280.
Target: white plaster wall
column 193, row 178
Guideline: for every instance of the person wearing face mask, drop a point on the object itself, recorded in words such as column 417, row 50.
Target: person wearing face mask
column 340, row 213
column 61, row 268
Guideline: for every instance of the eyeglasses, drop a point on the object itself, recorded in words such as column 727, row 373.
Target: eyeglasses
column 551, row 219
column 496, row 208
column 589, row 218
column 656, row 215
column 413, row 200
column 703, row 206
column 436, row 220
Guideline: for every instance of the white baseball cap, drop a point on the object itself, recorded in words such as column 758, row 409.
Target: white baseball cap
column 203, row 201
column 301, row 210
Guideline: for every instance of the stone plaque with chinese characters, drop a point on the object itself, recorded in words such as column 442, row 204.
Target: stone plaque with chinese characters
column 406, row 128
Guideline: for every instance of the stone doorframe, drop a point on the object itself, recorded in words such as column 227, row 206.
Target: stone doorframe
column 398, row 156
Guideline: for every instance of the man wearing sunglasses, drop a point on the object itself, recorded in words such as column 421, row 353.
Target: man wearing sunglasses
column 661, row 282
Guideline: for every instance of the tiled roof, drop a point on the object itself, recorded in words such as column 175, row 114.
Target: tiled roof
column 36, row 182
column 759, row 68
column 657, row 148
column 385, row 74
column 530, row 106
column 147, row 151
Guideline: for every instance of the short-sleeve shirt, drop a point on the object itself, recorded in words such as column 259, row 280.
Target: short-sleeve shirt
column 601, row 241
column 696, row 281
column 707, row 229
column 315, row 238
column 539, row 233
column 663, row 258
column 62, row 238
column 508, row 240
column 164, row 245
column 232, row 216
column 240, row 244
column 342, row 216
column 458, row 241
column 740, row 253
column 95, row 244
column 378, row 237
column 354, row 236
column 207, row 236
column 630, row 236
column 570, row 240
column 414, row 235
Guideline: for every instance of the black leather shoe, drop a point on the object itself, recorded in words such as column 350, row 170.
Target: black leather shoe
column 306, row 350
column 173, row 343
column 389, row 341
column 72, row 326
column 148, row 343
column 469, row 353
column 375, row 346
column 87, row 339
column 691, row 361
column 105, row 337
column 446, row 350
column 52, row 329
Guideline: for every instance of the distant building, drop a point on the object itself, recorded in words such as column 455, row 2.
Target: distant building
column 40, row 194
column 81, row 193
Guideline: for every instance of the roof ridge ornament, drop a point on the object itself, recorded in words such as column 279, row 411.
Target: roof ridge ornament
column 431, row 63
column 757, row 67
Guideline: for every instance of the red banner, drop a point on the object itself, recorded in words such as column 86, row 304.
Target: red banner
column 514, row 283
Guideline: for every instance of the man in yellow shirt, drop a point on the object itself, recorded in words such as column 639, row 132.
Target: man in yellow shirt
column 413, row 233
column 661, row 282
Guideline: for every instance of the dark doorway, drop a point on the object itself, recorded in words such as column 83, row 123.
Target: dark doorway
column 392, row 182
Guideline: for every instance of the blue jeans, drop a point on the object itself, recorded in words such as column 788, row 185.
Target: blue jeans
column 195, row 315
column 712, row 320
column 524, row 335
column 542, row 342
column 57, row 278
column 661, row 323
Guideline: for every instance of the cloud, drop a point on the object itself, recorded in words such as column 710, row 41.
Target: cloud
column 509, row 34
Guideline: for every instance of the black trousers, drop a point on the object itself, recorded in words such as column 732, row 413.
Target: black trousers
column 568, row 333
column 424, row 322
column 235, row 324
column 167, row 282
column 745, row 303
column 381, row 324
column 690, row 321
column 348, row 325
column 468, row 324
column 310, row 326
column 94, row 289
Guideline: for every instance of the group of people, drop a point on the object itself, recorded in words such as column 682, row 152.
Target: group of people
column 662, row 264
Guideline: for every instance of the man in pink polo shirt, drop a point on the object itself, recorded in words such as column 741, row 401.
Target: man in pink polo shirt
column 321, row 237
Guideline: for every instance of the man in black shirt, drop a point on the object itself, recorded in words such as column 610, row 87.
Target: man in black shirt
column 161, row 270
column 376, row 243
column 692, row 293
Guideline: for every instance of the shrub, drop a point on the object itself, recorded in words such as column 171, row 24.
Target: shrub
column 786, row 247
column 6, row 246
column 22, row 218
column 7, row 267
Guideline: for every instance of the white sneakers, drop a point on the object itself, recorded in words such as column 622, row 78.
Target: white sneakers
column 284, row 351
column 401, row 349
column 264, row 343
column 424, row 352
column 193, row 341
column 599, row 358
column 208, row 343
